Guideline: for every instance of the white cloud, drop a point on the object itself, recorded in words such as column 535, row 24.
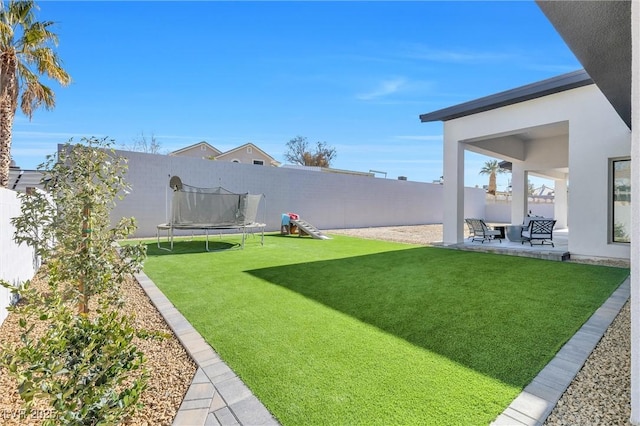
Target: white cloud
column 41, row 152
column 416, row 161
column 457, row 56
column 43, row 135
column 420, row 138
column 384, row 88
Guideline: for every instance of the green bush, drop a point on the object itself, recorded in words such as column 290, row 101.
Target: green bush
column 84, row 362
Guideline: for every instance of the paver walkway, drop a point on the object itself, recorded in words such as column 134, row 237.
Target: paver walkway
column 217, row 396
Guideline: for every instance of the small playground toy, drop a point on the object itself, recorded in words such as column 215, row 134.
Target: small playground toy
column 292, row 224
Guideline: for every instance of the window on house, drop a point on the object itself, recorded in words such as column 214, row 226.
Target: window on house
column 258, row 162
column 621, row 201
column 249, row 150
column 203, row 147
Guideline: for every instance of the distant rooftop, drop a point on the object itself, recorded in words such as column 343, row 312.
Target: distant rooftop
column 20, row 179
column 539, row 89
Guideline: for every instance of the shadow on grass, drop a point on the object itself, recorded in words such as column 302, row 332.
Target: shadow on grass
column 279, row 235
column 502, row 316
column 188, row 247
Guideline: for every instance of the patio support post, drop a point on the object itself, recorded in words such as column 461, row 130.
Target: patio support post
column 635, row 214
column 560, row 203
column 453, row 188
column 519, row 193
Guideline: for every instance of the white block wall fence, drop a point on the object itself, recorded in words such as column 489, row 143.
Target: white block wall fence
column 500, row 211
column 16, row 261
column 326, row 200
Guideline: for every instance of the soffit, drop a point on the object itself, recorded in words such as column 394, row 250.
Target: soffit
column 512, row 145
column 535, row 90
column 599, row 34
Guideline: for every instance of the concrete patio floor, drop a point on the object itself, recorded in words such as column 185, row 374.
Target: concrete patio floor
column 559, row 251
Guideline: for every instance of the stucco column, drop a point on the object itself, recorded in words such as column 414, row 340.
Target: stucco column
column 635, row 214
column 560, row 203
column 519, row 193
column 453, row 197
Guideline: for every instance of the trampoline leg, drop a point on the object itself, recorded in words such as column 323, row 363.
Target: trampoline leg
column 158, row 239
column 206, row 232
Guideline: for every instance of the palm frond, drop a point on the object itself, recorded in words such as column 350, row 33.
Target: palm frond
column 46, row 61
column 19, row 12
column 491, row 166
column 37, row 35
column 6, row 34
column 34, row 95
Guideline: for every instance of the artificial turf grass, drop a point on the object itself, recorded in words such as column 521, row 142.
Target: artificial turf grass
column 370, row 332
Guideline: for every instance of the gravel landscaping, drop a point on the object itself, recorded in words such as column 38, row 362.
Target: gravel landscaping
column 600, row 393
column 171, row 369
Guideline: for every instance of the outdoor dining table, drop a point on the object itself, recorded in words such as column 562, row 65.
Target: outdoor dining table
column 514, row 233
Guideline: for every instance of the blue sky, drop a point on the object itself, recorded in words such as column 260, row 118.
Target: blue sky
column 355, row 75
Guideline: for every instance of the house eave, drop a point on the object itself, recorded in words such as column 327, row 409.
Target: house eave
column 599, row 35
column 536, row 90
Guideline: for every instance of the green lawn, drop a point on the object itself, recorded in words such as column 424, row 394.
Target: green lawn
column 351, row 331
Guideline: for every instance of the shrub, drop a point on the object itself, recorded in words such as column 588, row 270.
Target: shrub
column 82, row 363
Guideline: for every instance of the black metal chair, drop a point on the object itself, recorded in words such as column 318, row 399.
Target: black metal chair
column 481, row 232
column 539, row 230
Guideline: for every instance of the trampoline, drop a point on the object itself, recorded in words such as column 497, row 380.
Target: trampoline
column 207, row 209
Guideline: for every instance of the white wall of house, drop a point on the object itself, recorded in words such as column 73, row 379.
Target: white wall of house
column 635, row 215
column 595, row 135
column 16, row 261
column 326, row 200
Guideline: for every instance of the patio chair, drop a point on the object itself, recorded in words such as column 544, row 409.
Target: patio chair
column 481, row 232
column 539, row 230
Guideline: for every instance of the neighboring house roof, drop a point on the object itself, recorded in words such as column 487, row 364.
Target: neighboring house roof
column 196, row 145
column 328, row 170
column 536, row 90
column 599, row 34
column 20, row 179
column 231, row 152
column 227, row 155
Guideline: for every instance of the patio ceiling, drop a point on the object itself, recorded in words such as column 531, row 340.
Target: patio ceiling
column 512, row 146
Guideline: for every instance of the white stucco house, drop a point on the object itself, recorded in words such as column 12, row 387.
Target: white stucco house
column 605, row 37
column 562, row 129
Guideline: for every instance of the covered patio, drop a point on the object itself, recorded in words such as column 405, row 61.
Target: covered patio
column 562, row 129
column 558, row 252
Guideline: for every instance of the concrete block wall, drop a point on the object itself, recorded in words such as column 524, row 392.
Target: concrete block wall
column 16, row 261
column 326, row 200
column 500, row 212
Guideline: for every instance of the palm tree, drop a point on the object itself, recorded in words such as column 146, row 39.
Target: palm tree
column 492, row 168
column 25, row 54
